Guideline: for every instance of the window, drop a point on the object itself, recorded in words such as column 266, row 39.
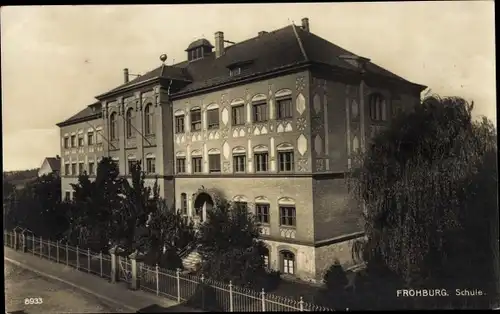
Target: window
column 131, row 164
column 265, row 257
column 73, row 140
column 284, row 107
column 196, row 161
column 73, row 169
column 214, row 163
column 260, row 112
column 184, row 204
column 150, row 165
column 81, row 168
column 80, row 141
column 213, row 119
column 66, row 142
column 195, row 120
column 238, row 115
column 179, row 124
column 239, row 161
column 180, row 164
column 91, row 168
column 129, row 122
column 148, row 120
column 240, row 205
column 261, row 160
column 285, row 161
column 377, row 108
column 288, row 262
column 113, row 126
column 235, row 71
column 287, row 216
column 67, row 196
column 90, row 138
column 262, row 213
column 66, row 169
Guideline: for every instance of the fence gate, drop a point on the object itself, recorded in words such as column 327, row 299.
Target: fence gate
column 125, row 269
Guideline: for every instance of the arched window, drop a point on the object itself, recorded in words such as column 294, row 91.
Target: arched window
column 285, row 157
column 148, row 119
column 262, row 210
column 287, row 212
column 377, row 107
column 265, row 256
column 261, row 158
column 129, row 122
column 239, row 159
column 150, row 164
column 287, row 262
column 184, row 204
column 113, row 126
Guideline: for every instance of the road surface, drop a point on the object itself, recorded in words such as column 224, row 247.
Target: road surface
column 54, row 296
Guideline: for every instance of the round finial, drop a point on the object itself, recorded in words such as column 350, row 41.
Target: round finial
column 163, row 57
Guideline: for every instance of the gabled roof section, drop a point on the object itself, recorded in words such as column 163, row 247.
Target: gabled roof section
column 175, row 72
column 90, row 112
column 54, row 163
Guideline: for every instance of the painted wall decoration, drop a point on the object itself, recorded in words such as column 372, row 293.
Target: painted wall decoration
column 260, row 130
column 225, row 116
column 318, row 144
column 302, row 144
column 287, row 233
column 284, row 127
column 226, row 150
column 354, row 109
column 300, row 83
column 239, row 132
column 320, row 165
column 300, row 103
column 301, row 124
column 316, row 103
column 303, row 165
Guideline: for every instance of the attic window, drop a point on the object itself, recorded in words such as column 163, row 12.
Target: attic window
column 196, row 54
column 235, row 71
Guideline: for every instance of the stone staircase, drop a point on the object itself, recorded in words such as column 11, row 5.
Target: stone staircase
column 191, row 260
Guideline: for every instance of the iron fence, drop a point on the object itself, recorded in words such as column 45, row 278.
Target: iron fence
column 199, row 292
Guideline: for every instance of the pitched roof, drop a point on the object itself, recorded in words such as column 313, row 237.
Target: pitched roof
column 199, row 43
column 54, row 163
column 265, row 53
column 89, row 111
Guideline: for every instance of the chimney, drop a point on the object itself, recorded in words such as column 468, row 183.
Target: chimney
column 305, row 24
column 219, row 44
column 125, row 75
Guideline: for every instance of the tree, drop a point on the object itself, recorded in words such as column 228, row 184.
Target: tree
column 429, row 183
column 94, row 208
column 37, row 207
column 229, row 245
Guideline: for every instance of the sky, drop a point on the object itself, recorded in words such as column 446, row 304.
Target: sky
column 55, row 59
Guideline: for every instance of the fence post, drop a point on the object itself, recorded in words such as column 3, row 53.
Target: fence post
column 15, row 241
column 100, row 262
column 33, row 249
column 301, row 303
column 133, row 266
column 25, row 245
column 67, row 255
column 114, row 264
column 231, row 296
column 77, row 258
column 41, row 246
column 178, row 273
column 57, row 251
column 88, row 260
column 48, row 243
column 202, row 279
column 263, row 297
column 157, row 280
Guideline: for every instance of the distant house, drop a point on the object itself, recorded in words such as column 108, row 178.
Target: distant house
column 50, row 165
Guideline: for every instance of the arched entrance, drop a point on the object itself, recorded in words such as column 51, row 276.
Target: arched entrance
column 202, row 204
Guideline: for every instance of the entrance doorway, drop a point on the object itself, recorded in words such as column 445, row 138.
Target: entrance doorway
column 202, row 204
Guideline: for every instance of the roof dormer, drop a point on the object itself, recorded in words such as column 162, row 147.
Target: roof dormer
column 199, row 49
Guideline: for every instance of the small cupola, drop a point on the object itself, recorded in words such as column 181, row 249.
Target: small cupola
column 199, row 49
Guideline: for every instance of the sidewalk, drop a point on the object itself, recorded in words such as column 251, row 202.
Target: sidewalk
column 114, row 294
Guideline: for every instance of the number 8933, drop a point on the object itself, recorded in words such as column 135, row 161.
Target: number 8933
column 33, row 301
